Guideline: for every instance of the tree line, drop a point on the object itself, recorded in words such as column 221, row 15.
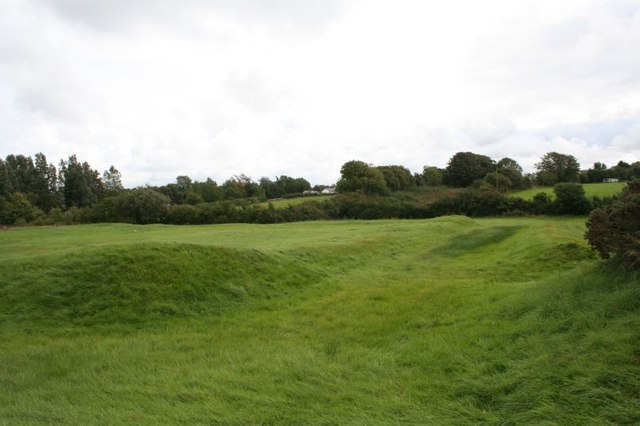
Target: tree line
column 32, row 190
column 471, row 170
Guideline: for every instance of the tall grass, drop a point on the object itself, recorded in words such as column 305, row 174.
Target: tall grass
column 445, row 321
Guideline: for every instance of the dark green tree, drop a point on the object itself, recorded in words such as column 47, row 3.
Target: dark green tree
column 432, row 176
column 614, row 230
column 283, row 185
column 571, row 199
column 20, row 170
column 184, row 183
column 81, row 185
column 177, row 192
column 19, row 209
column 497, row 181
column 241, row 186
column 397, row 178
column 465, row 167
column 193, row 197
column 292, row 185
column 271, row 189
column 44, row 184
column 208, row 190
column 511, row 169
column 555, row 168
column 143, row 206
column 358, row 176
column 112, row 180
column 6, row 186
column 598, row 172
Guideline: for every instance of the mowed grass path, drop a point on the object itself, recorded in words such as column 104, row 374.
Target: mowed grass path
column 590, row 189
column 442, row 321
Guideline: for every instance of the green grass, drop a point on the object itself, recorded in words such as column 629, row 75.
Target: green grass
column 591, row 190
column 282, row 203
column 442, row 321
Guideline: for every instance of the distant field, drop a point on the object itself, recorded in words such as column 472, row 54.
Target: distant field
column 442, row 321
column 590, row 189
column 286, row 202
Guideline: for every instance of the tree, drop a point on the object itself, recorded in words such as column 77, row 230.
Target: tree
column 397, row 178
column 291, row 185
column 81, row 185
column 358, row 176
column 570, row 199
column 6, row 186
column 622, row 171
column 614, row 231
column 143, row 206
column 555, row 167
column 184, row 183
column 283, row 185
column 511, row 169
column 233, row 189
column 498, row 182
column 112, row 181
column 19, row 209
column 431, row 176
column 208, row 190
column 44, row 184
column 271, row 189
column 20, row 171
column 598, row 172
column 193, row 198
column 465, row 167
column 241, row 186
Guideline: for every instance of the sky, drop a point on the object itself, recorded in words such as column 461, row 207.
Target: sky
column 216, row 88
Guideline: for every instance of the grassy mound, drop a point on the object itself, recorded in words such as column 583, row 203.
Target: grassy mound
column 141, row 283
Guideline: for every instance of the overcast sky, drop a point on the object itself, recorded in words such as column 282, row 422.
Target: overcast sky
column 161, row 88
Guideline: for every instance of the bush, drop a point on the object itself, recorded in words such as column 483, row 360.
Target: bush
column 182, row 214
column 614, row 230
column 19, row 210
column 541, row 204
column 143, row 206
column 571, row 199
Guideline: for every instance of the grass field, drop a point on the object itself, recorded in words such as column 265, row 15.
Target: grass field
column 286, row 202
column 442, row 321
column 590, row 189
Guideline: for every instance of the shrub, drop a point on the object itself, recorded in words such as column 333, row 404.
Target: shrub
column 614, row 230
column 571, row 199
column 19, row 210
column 182, row 214
column 144, row 206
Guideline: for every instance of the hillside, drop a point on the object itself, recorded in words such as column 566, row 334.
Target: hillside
column 591, row 190
column 442, row 321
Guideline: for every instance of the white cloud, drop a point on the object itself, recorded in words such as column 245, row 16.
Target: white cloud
column 162, row 88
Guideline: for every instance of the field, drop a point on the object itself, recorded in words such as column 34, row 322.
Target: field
column 442, row 321
column 286, row 202
column 590, row 189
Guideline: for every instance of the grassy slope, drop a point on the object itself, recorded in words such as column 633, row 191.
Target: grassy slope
column 590, row 189
column 286, row 202
column 441, row 321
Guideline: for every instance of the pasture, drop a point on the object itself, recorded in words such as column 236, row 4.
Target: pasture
column 442, row 321
column 282, row 203
column 590, row 189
